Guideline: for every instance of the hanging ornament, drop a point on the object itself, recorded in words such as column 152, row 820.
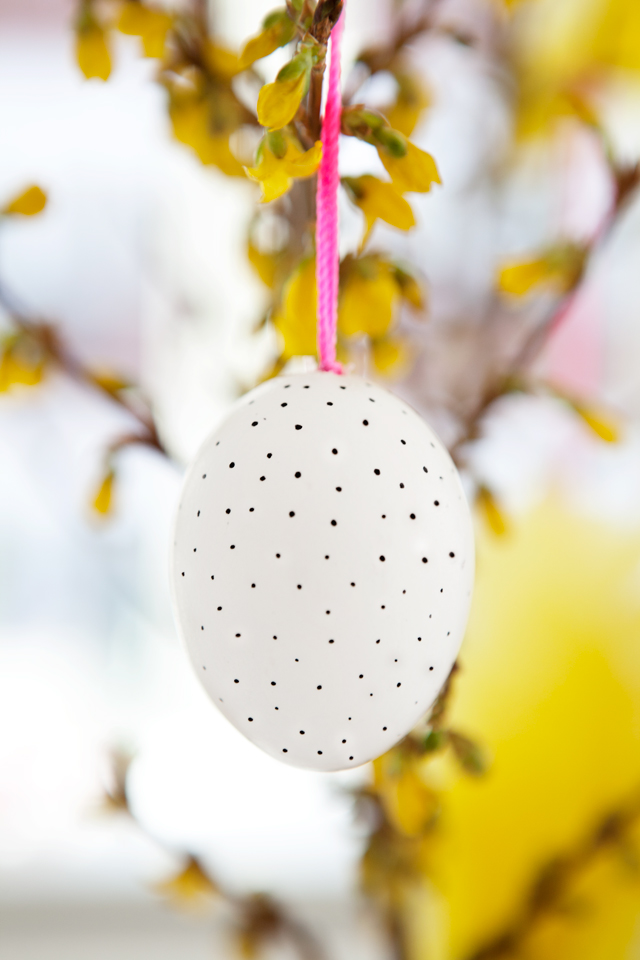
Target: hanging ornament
column 323, row 559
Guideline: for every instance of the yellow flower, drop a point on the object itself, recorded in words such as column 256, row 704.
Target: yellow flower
column 29, row 202
column 296, row 318
column 265, row 264
column 103, row 500
column 150, row 25
column 22, row 362
column 192, row 887
column 602, row 424
column 561, row 266
column 409, row 803
column 278, row 29
column 550, row 685
column 412, row 99
column 278, row 102
column 92, row 52
column 368, row 299
column 391, row 356
column 276, row 173
column 221, row 61
column 191, row 125
column 379, row 200
column 520, row 277
column 490, row 511
column 414, row 172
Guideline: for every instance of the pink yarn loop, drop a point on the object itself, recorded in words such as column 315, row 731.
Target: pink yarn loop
column 327, row 256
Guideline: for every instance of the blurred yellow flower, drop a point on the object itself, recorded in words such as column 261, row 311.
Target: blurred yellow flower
column 414, row 172
column 369, row 295
column 550, row 683
column 602, row 424
column 278, row 29
column 491, row 512
column 379, row 200
column 412, row 99
column 27, row 203
column 391, row 356
column 190, row 119
column 92, row 52
column 560, row 266
column 150, row 25
column 103, row 499
column 275, row 174
column 22, row 361
column 296, row 317
column 191, row 887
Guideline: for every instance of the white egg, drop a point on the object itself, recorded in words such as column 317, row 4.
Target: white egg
column 322, row 568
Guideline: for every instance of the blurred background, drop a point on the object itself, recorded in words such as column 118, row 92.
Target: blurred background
column 142, row 290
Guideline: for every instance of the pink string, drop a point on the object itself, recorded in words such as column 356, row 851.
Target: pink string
column 327, row 256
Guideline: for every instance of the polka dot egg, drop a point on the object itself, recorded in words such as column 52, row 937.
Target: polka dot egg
column 322, row 568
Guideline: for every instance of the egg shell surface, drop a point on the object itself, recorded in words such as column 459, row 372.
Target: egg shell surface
column 322, row 568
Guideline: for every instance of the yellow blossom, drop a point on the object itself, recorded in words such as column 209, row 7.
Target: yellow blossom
column 150, row 25
column 92, row 52
column 191, row 125
column 276, row 174
column 27, row 203
column 278, row 29
column 414, row 172
column 191, row 887
column 410, row 102
column 296, row 317
column 103, row 499
column 368, row 298
column 602, row 424
column 278, row 102
column 379, row 200
column 391, row 356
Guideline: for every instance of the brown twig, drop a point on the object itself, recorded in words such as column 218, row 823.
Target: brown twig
column 48, row 339
column 259, row 918
column 551, row 888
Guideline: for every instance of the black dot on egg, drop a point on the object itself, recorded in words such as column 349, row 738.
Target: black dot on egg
column 253, row 586
column 292, row 513
column 331, row 641
column 451, row 554
column 436, row 503
column 377, row 472
column 339, row 489
column 231, row 466
column 398, row 684
column 236, row 681
column 299, row 586
column 382, row 558
column 329, row 403
column 412, row 515
column 273, row 683
column 298, row 426
column 250, row 719
column 365, row 423
column 334, row 523
column 227, row 510
column 183, row 574
column 430, row 668
column 384, row 728
column 284, row 750
column 263, row 478
column 319, row 687
column 334, row 451
column 297, row 474
column 269, row 455
column 424, row 560
column 425, row 470
column 283, row 404
column 255, row 423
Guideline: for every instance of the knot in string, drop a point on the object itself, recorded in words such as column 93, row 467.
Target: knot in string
column 327, row 256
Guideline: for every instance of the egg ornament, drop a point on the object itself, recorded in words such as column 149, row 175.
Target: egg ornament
column 322, row 568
